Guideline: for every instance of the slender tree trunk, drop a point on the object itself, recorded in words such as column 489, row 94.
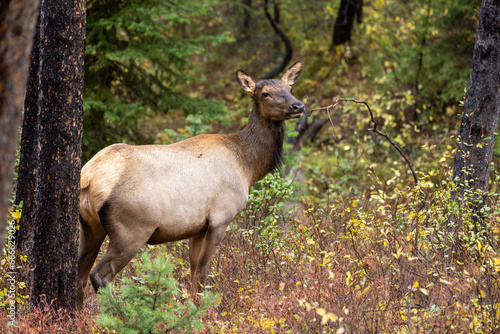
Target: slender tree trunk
column 471, row 170
column 58, row 152
column 17, row 23
column 286, row 40
column 348, row 10
column 246, row 32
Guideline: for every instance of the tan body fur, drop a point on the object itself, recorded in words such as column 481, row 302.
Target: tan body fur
column 191, row 189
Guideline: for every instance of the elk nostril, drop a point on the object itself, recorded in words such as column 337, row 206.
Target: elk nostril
column 298, row 106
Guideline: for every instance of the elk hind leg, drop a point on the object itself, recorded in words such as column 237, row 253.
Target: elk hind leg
column 118, row 255
column 91, row 239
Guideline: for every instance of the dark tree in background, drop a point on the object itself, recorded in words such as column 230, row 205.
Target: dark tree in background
column 287, row 56
column 54, row 103
column 471, row 169
column 246, row 29
column 348, row 11
column 17, row 23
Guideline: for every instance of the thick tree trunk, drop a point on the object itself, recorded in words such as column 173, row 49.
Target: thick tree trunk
column 25, row 191
column 58, row 152
column 17, row 23
column 482, row 107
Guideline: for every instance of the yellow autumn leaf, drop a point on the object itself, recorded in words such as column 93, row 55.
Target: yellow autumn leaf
column 331, row 275
column 308, row 306
column 329, row 317
column 348, row 278
column 496, row 264
column 320, row 311
column 398, row 253
column 444, row 281
column 16, row 215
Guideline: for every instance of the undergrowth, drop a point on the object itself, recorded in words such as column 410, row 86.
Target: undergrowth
column 386, row 261
column 374, row 263
column 151, row 301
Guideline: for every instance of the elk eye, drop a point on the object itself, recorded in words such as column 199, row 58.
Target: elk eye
column 265, row 94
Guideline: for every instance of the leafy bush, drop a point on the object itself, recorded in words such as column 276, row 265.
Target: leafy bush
column 12, row 289
column 151, row 301
column 262, row 220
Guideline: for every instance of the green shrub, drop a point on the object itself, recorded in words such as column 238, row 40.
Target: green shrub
column 151, row 302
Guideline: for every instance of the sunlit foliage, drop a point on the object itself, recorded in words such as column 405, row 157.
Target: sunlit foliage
column 340, row 240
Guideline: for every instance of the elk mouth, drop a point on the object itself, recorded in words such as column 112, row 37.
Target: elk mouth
column 293, row 114
column 295, row 110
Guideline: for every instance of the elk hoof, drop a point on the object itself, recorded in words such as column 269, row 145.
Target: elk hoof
column 96, row 282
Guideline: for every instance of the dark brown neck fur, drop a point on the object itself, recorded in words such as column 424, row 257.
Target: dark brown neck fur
column 262, row 144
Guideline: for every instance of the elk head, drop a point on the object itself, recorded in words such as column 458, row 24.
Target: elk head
column 273, row 98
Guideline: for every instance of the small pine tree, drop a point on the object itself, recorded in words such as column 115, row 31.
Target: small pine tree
column 151, row 301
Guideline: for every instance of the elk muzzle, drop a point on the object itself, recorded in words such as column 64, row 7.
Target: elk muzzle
column 295, row 110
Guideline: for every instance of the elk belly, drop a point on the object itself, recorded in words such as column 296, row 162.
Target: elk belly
column 183, row 200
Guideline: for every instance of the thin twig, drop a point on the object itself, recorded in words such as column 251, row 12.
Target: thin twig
column 374, row 129
column 331, row 122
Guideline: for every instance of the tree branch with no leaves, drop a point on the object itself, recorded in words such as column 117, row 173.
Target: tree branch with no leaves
column 374, row 128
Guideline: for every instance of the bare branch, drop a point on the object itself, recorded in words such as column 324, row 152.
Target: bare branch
column 374, row 129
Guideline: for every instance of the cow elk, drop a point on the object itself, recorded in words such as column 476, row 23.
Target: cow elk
column 152, row 194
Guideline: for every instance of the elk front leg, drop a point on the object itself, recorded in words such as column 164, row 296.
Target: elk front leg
column 201, row 249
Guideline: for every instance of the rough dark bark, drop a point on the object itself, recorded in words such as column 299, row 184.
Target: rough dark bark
column 471, row 169
column 58, row 152
column 286, row 40
column 25, row 191
column 17, row 23
column 348, row 11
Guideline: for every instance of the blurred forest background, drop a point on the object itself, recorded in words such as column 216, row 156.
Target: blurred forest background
column 160, row 72
column 340, row 239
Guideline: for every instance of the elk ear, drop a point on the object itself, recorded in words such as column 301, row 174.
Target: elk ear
column 246, row 82
column 292, row 74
